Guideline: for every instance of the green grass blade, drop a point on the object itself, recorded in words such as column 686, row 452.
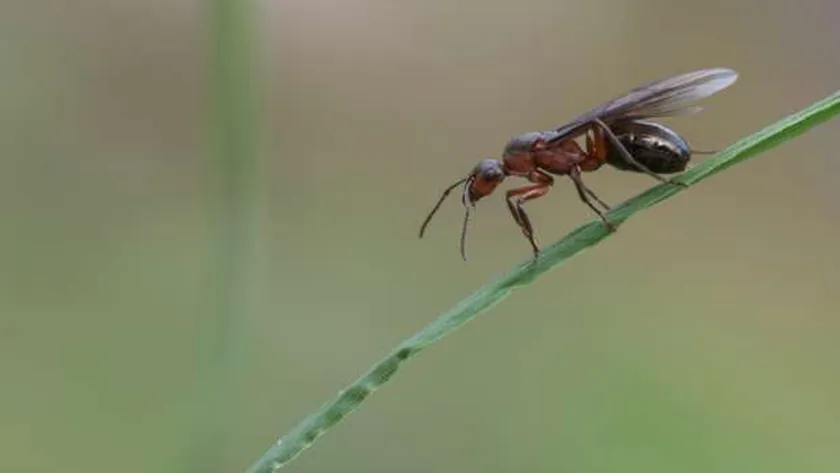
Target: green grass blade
column 348, row 400
column 231, row 179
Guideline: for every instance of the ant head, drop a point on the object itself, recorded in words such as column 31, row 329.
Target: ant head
column 483, row 179
column 480, row 182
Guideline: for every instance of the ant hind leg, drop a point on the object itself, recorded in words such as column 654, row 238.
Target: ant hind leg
column 610, row 136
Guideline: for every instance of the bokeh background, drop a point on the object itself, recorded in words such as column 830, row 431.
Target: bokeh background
column 702, row 338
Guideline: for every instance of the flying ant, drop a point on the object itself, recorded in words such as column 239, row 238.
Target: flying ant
column 617, row 133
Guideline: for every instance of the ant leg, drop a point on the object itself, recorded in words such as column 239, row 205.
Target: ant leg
column 596, row 151
column 609, row 135
column 627, row 156
column 523, row 195
column 591, row 193
column 598, row 144
column 515, row 214
column 581, row 188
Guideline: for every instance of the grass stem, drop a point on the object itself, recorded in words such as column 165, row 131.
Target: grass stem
column 584, row 237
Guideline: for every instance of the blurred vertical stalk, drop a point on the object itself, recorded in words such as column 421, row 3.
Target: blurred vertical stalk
column 231, row 171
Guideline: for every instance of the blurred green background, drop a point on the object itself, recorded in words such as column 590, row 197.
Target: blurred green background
column 702, row 338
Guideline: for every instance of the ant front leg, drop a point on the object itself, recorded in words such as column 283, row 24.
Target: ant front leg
column 599, row 126
column 524, row 194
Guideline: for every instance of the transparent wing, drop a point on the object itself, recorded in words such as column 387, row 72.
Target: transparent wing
column 662, row 98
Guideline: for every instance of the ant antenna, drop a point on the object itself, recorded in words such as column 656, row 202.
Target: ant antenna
column 464, row 234
column 465, row 200
column 439, row 202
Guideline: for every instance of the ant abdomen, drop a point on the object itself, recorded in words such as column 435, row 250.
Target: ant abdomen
column 654, row 146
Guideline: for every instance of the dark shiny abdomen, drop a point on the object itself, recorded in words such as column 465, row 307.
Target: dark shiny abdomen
column 656, row 147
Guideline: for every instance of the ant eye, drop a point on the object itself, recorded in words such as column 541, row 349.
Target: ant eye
column 492, row 174
column 489, row 170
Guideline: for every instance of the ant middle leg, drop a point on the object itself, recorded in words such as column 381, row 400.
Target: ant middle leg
column 575, row 176
column 592, row 194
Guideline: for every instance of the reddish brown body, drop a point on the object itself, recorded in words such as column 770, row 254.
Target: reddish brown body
column 608, row 131
column 535, row 156
column 541, row 150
